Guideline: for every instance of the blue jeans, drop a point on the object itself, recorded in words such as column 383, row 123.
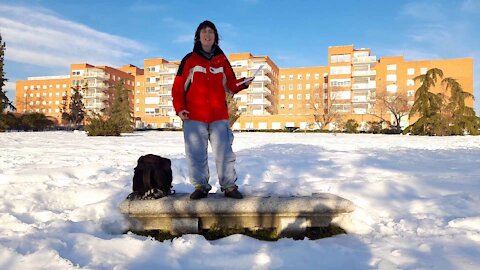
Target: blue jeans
column 196, row 135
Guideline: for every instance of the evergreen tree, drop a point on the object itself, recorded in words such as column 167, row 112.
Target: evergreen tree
column 461, row 117
column 233, row 112
column 427, row 105
column 120, row 112
column 77, row 108
column 4, row 101
column 63, row 110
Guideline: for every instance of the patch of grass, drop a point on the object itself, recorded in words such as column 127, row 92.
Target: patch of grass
column 265, row 234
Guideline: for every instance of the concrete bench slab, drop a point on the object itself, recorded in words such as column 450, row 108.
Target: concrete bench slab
column 178, row 214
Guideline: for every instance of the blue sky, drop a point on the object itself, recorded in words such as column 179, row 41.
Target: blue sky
column 44, row 37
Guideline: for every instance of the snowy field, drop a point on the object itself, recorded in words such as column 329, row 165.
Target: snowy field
column 417, row 198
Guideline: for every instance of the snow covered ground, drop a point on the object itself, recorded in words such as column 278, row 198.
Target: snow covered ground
column 418, row 201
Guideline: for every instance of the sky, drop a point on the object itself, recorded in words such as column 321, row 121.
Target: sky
column 44, row 37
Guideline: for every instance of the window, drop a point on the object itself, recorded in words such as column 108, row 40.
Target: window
column 339, row 58
column 138, row 100
column 411, row 71
column 152, row 100
column 299, row 76
column 282, row 78
column 282, row 87
column 299, row 96
column 282, row 96
column 307, row 96
column 290, row 106
column 57, row 86
column 307, row 77
column 423, row 70
column 410, row 83
column 64, row 86
column 282, row 106
column 410, row 93
column 317, row 76
column 340, row 70
column 290, row 87
column 290, row 96
column 307, row 86
column 299, row 86
column 316, row 86
column 340, row 82
column 391, row 77
column 392, row 67
column 290, row 77
column 25, row 87
column 392, row 88
column 44, row 87
column 340, row 95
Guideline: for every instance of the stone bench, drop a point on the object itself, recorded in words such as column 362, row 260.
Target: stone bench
column 178, row 214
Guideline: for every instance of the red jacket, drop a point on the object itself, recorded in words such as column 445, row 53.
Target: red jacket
column 200, row 86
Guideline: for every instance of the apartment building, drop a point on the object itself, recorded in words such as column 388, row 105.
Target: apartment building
column 351, row 85
column 46, row 94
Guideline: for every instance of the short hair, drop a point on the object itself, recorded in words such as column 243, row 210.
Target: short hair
column 201, row 26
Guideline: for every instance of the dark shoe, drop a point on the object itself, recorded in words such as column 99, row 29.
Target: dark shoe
column 198, row 194
column 233, row 193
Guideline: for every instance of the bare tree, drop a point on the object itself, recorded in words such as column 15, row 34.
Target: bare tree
column 322, row 109
column 395, row 104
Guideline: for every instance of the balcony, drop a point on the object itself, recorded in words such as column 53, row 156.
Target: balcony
column 259, row 101
column 93, row 95
column 364, row 73
column 259, row 90
column 96, row 85
column 171, row 71
column 360, row 99
column 364, row 59
column 369, row 85
column 165, row 104
column 262, row 78
column 165, row 93
column 100, row 75
column 165, row 82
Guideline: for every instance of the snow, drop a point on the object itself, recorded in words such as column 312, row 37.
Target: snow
column 417, row 201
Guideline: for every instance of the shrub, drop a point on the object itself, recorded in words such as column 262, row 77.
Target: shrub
column 101, row 127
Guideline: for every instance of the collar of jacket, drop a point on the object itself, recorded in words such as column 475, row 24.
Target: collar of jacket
column 215, row 51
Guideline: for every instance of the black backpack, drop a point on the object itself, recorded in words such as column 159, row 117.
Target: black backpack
column 152, row 178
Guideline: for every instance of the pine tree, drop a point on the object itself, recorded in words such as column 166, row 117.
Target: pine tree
column 121, row 113
column 63, row 109
column 4, row 101
column 462, row 118
column 77, row 108
column 427, row 105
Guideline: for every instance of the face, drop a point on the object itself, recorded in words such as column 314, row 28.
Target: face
column 207, row 37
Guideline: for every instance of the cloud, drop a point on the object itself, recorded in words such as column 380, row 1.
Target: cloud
column 44, row 39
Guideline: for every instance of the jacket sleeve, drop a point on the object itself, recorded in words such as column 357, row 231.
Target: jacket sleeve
column 232, row 81
column 178, row 89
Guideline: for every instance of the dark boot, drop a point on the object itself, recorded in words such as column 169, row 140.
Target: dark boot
column 233, row 193
column 199, row 193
